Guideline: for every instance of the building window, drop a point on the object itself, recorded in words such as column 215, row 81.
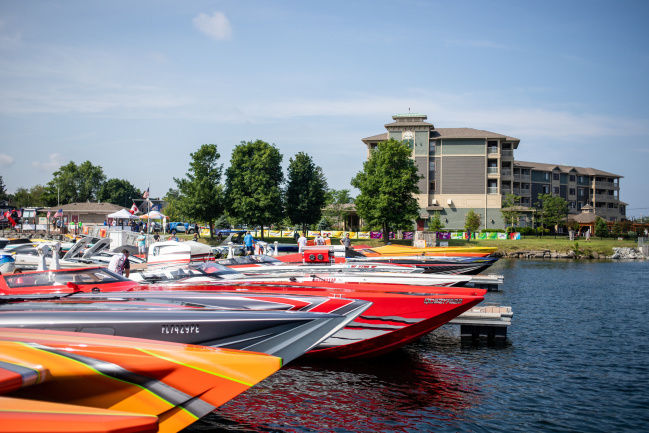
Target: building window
column 555, row 190
column 431, row 188
column 431, row 147
column 572, row 191
column 555, row 176
column 572, row 178
column 545, row 189
column 431, row 165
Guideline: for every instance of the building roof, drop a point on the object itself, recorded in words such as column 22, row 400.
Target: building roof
column 564, row 168
column 408, row 123
column 583, row 218
column 469, row 133
column 378, row 137
column 86, row 207
column 445, row 133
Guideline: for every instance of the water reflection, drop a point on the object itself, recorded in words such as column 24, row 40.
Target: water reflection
column 385, row 393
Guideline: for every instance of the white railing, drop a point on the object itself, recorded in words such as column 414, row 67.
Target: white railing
column 492, row 170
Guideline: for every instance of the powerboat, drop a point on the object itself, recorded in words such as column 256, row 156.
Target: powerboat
column 76, row 382
column 275, row 332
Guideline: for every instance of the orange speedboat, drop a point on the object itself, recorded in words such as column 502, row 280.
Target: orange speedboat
column 56, row 381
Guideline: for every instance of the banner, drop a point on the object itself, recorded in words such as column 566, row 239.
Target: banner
column 275, row 233
column 457, row 235
column 516, row 236
column 408, row 235
column 502, row 236
column 337, row 234
column 312, row 233
column 204, row 232
column 287, row 233
column 326, row 233
column 443, row 236
column 375, row 235
column 352, row 235
column 363, row 235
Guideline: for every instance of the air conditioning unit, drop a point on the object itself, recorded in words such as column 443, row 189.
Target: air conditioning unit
column 434, row 202
column 449, row 202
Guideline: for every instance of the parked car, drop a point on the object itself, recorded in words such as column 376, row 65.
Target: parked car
column 181, row 227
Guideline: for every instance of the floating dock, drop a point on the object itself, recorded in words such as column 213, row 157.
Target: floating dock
column 491, row 282
column 484, row 324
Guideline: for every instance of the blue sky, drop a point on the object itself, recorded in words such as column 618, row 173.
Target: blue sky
column 137, row 86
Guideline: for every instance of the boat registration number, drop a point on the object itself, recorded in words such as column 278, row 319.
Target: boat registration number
column 442, row 300
column 179, row 329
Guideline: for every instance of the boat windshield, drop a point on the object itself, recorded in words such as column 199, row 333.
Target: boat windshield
column 213, row 268
column 248, row 260
column 61, row 278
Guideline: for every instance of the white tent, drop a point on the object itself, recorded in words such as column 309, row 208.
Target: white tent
column 154, row 215
column 122, row 214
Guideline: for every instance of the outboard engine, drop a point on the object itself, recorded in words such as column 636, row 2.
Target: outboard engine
column 7, row 263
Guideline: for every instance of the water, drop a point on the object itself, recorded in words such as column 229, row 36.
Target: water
column 578, row 360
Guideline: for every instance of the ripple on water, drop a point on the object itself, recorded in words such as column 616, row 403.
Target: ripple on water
column 578, row 361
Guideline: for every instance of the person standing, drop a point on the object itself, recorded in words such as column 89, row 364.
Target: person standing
column 319, row 240
column 301, row 243
column 248, row 242
column 346, row 241
column 120, row 264
column 141, row 243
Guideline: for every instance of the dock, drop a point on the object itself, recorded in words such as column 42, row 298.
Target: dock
column 484, row 324
column 491, row 282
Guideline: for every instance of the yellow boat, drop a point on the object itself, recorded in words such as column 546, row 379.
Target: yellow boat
column 405, row 250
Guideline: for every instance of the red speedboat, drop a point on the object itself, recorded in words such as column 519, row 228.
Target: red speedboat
column 84, row 279
column 398, row 315
column 393, row 320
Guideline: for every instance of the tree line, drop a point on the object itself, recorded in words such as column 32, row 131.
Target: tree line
column 253, row 190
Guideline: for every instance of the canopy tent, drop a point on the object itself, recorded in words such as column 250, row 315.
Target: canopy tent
column 122, row 214
column 154, row 215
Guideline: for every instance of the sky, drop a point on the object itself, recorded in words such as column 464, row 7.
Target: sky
column 135, row 87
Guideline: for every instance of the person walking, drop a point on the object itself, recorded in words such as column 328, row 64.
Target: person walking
column 248, row 242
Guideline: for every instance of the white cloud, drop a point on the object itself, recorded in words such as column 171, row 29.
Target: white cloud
column 6, row 160
column 215, row 26
column 55, row 161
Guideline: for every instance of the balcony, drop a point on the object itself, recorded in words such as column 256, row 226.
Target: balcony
column 523, row 177
column 492, row 190
column 492, row 170
column 506, row 172
column 505, row 190
column 507, row 153
column 605, row 185
column 492, row 150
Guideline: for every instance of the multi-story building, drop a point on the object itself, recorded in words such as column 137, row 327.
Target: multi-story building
column 466, row 168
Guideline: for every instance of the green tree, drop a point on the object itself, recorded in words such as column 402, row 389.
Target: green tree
column 172, row 208
column 72, row 183
column 336, row 202
column 118, row 191
column 435, row 223
column 472, row 222
column 253, row 193
column 554, row 210
column 509, row 209
column 601, row 228
column 387, row 184
column 35, row 196
column 201, row 192
column 305, row 191
column 3, row 190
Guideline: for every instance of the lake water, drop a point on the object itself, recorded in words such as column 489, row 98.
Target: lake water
column 577, row 360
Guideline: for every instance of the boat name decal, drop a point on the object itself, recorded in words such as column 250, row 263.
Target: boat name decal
column 442, row 300
column 179, row 329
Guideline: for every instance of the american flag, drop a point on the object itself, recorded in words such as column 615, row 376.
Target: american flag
column 146, row 193
column 59, row 213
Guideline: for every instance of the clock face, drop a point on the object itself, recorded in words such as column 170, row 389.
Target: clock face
column 407, row 135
